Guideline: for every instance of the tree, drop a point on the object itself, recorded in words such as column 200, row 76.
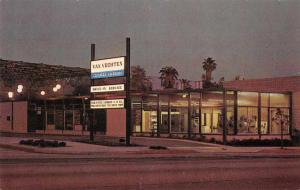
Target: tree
column 209, row 65
column 185, row 84
column 168, row 76
column 281, row 119
column 139, row 80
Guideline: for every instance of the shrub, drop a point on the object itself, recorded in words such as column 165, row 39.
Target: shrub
column 42, row 143
column 258, row 142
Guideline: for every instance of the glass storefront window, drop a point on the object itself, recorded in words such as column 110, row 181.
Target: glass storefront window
column 211, row 120
column 247, row 120
column 279, row 100
column 195, row 98
column 179, row 113
column 264, row 99
column 264, row 121
column 275, row 127
column 164, row 119
column 212, row 99
column 230, row 120
column 136, row 115
column 230, row 98
column 247, row 99
column 149, row 114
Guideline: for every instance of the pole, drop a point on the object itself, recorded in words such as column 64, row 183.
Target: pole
column 224, row 122
column 281, row 130
column 128, row 101
column 92, row 97
column 12, row 115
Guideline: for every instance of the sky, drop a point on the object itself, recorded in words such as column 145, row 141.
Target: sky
column 251, row 38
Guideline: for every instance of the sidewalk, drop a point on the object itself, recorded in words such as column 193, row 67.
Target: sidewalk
column 198, row 150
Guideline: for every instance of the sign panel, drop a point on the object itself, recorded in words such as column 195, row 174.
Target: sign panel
column 106, row 104
column 107, row 68
column 108, row 88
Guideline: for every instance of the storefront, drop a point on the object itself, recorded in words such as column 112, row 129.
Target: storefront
column 194, row 113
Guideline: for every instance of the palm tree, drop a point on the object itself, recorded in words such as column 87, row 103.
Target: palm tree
column 139, row 80
column 209, row 65
column 185, row 84
column 168, row 76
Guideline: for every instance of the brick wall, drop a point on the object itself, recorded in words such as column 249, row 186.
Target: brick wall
column 116, row 122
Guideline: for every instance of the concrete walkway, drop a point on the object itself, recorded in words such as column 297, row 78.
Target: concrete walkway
column 176, row 148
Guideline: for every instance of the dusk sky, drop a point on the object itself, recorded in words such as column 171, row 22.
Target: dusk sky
column 254, row 38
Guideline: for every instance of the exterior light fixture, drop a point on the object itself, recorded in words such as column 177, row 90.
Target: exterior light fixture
column 58, row 86
column 20, row 86
column 54, row 89
column 184, row 95
column 10, row 94
column 43, row 92
column 19, row 90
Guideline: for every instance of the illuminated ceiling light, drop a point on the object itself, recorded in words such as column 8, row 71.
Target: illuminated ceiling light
column 10, row 94
column 58, row 86
column 43, row 92
column 54, row 89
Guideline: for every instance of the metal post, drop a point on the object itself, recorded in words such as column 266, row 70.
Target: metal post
column 189, row 116
column 128, row 101
column 200, row 114
column 290, row 119
column 158, row 115
column 12, row 114
column 259, row 115
column 224, row 122
column 235, row 113
column 92, row 97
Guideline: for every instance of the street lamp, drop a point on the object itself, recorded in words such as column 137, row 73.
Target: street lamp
column 43, row 92
column 10, row 96
column 58, row 86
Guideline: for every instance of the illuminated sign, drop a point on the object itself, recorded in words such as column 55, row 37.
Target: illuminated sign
column 107, row 68
column 106, row 104
column 108, row 88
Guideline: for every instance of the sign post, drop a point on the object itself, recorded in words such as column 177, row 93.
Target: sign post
column 128, row 100
column 92, row 97
column 109, row 68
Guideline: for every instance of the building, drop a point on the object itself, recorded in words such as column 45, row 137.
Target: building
column 241, row 109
